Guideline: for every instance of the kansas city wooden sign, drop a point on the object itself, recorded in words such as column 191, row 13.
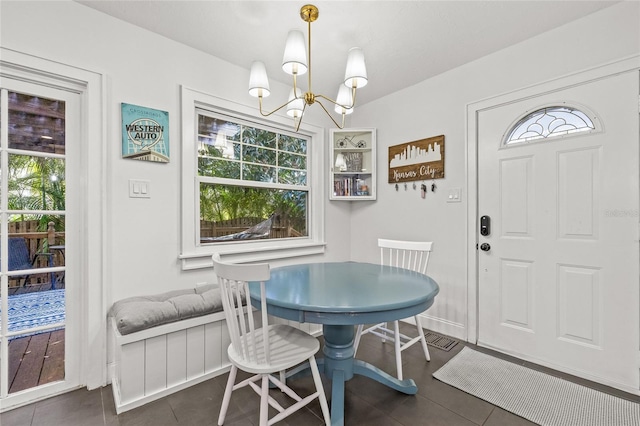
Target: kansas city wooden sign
column 418, row 160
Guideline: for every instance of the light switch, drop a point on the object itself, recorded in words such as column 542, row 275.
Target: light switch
column 454, row 195
column 139, row 188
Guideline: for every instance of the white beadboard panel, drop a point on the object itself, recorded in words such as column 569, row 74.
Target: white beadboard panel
column 225, row 341
column 516, row 293
column 212, row 346
column 516, row 197
column 579, row 304
column 578, row 193
column 131, row 374
column 176, row 357
column 155, row 377
column 195, row 351
column 159, row 361
column 141, row 360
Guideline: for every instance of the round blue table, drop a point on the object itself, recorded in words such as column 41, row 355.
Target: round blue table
column 339, row 296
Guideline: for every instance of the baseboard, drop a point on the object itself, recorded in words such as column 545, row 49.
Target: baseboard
column 442, row 326
column 135, row 403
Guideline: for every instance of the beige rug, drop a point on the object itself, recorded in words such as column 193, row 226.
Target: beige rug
column 536, row 396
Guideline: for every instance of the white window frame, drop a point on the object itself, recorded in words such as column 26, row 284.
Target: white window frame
column 595, row 121
column 193, row 255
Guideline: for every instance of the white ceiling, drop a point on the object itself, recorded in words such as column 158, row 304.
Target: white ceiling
column 404, row 42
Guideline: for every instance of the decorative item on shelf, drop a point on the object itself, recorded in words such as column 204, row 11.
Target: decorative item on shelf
column 347, row 141
column 295, row 63
column 341, row 164
column 353, row 161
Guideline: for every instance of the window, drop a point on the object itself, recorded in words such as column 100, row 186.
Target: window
column 256, row 196
column 253, row 181
column 549, row 122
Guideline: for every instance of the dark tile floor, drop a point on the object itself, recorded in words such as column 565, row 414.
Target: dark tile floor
column 366, row 402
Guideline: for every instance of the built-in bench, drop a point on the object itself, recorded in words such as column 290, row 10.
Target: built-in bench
column 164, row 343
column 167, row 342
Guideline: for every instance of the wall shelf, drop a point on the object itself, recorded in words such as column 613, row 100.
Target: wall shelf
column 353, row 164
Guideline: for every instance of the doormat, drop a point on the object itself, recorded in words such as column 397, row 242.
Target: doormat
column 441, row 342
column 536, row 396
column 35, row 309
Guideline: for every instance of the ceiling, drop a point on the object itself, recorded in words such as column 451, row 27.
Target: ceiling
column 404, row 42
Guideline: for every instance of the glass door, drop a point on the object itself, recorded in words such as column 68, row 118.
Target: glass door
column 39, row 350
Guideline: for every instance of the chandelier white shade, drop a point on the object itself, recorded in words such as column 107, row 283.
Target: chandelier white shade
column 356, row 73
column 344, row 98
column 295, row 105
column 297, row 61
column 294, row 60
column 258, row 81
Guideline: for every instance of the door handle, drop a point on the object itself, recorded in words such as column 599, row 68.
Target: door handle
column 485, row 247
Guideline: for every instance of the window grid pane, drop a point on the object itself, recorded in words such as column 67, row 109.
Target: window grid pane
column 267, row 166
column 549, row 122
column 225, row 147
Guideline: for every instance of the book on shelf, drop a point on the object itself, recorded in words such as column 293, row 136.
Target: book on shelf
column 350, row 187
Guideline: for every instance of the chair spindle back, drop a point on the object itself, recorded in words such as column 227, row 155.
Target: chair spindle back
column 413, row 255
column 246, row 337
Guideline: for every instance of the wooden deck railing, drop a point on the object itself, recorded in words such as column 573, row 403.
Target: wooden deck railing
column 282, row 229
column 38, row 242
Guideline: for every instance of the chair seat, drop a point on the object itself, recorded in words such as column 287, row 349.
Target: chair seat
column 289, row 347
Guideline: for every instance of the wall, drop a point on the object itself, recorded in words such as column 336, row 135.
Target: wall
column 143, row 235
column 438, row 106
column 141, row 68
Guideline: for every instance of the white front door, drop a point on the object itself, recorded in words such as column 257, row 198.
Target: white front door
column 559, row 283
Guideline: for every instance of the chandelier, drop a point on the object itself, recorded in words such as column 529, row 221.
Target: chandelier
column 295, row 63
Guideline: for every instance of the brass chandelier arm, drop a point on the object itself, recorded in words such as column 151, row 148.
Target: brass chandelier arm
column 298, row 120
column 328, row 113
column 353, row 102
column 266, row 114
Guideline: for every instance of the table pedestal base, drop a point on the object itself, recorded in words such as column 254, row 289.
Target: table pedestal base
column 339, row 365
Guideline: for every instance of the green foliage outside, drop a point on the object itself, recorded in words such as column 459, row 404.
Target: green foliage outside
column 36, row 183
column 258, row 156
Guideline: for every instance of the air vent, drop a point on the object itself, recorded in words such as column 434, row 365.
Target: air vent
column 439, row 341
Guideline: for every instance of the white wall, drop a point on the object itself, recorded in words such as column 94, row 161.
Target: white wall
column 143, row 238
column 144, row 69
column 438, row 106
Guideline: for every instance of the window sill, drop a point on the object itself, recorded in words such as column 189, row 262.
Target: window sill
column 240, row 253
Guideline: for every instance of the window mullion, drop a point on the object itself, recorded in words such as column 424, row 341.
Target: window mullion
column 251, row 183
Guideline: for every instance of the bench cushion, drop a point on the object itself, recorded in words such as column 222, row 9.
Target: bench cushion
column 142, row 312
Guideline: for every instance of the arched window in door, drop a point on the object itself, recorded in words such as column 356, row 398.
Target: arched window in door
column 549, row 122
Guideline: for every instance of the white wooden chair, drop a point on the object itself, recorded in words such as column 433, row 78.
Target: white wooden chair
column 263, row 351
column 412, row 255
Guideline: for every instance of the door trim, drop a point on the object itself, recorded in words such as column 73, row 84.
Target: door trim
column 91, row 86
column 472, row 112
